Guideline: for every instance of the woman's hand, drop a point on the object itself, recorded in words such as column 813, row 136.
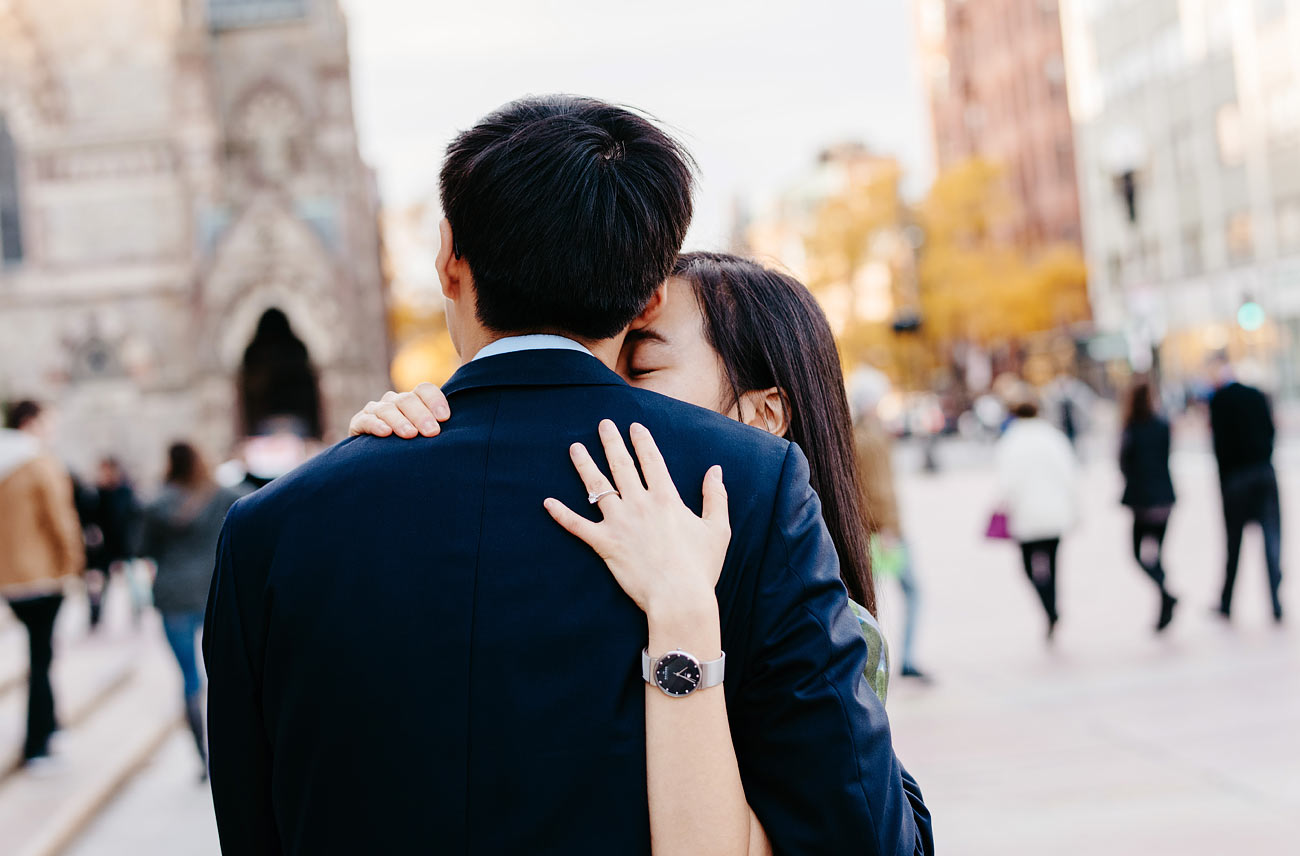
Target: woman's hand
column 403, row 413
column 665, row 558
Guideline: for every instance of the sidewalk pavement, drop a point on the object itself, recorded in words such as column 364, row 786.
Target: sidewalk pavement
column 1112, row 740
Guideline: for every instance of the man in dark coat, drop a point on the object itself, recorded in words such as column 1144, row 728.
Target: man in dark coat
column 1242, row 423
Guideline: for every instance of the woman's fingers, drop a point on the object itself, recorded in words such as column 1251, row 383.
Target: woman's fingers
column 366, row 422
column 652, row 460
column 417, row 412
column 389, row 413
column 592, row 478
column 433, row 399
column 715, row 497
column 574, row 523
column 621, row 465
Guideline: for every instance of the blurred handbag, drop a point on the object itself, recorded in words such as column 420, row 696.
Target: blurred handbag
column 999, row 528
column 888, row 556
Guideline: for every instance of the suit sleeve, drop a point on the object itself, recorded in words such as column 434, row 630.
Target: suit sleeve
column 239, row 751
column 813, row 741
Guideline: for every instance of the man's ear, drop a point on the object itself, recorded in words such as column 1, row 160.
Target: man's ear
column 766, row 409
column 453, row 270
column 653, row 309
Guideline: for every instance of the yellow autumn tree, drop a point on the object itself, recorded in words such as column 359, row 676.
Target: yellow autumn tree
column 978, row 285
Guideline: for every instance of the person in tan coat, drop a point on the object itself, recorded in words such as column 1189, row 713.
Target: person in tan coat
column 40, row 546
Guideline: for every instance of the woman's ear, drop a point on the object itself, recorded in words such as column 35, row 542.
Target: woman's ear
column 765, row 409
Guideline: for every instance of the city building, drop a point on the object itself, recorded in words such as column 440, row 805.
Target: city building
column 1187, row 119
column 994, row 72
column 189, row 236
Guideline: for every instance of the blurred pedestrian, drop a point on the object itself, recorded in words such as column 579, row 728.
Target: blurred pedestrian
column 40, row 547
column 115, row 515
column 1069, row 401
column 180, row 533
column 1148, row 488
column 890, row 554
column 1241, row 421
column 1037, row 478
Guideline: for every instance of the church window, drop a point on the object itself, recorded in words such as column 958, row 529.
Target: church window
column 11, row 233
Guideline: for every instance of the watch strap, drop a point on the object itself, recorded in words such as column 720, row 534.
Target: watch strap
column 711, row 673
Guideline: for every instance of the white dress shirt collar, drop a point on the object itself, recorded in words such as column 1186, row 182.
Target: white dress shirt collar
column 531, row 342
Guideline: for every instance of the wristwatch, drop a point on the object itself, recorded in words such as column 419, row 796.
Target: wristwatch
column 679, row 674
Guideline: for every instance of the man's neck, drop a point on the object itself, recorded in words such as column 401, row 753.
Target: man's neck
column 605, row 350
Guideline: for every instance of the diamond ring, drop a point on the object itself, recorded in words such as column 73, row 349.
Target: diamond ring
column 594, row 498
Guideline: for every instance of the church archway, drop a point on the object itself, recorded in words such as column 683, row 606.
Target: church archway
column 277, row 382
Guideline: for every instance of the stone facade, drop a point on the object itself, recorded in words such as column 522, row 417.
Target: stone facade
column 180, row 168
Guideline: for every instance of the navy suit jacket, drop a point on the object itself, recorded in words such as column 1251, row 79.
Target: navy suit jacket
column 407, row 655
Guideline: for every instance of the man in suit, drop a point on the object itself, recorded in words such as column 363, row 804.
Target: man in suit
column 479, row 689
column 1242, row 424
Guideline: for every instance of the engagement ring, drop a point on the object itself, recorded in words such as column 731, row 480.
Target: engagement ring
column 594, row 498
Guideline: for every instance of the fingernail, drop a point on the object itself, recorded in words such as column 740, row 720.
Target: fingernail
column 607, row 425
column 442, row 412
column 716, row 472
column 429, row 426
column 637, row 428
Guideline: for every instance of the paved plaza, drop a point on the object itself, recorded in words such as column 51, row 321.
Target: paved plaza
column 1111, row 741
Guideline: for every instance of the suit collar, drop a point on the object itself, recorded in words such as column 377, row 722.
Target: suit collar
column 533, row 368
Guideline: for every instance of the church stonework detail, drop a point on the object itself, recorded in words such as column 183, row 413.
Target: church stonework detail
column 199, row 235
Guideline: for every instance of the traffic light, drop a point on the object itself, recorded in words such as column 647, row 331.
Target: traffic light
column 1250, row 317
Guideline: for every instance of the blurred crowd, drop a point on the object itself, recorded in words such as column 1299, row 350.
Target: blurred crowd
column 58, row 528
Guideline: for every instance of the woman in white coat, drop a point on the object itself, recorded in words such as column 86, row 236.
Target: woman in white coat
column 1037, row 479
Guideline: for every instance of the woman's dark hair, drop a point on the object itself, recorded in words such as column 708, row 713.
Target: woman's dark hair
column 186, row 467
column 20, row 413
column 1141, row 406
column 769, row 332
column 569, row 212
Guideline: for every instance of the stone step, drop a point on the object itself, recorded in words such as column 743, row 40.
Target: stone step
column 69, row 630
column 41, row 815
column 87, row 670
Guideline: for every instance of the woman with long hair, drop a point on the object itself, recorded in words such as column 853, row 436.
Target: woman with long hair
column 180, row 533
column 1148, row 488
column 752, row 343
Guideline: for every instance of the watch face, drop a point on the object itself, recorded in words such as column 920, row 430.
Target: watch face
column 677, row 674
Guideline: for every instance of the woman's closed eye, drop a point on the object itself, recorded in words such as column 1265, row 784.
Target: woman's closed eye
column 649, row 353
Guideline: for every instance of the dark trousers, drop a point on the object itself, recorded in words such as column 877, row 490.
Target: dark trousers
column 1040, row 566
column 1251, row 495
column 38, row 614
column 1149, row 527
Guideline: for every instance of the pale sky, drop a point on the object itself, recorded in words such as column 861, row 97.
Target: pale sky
column 755, row 88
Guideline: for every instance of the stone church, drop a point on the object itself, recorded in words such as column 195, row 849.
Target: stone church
column 189, row 242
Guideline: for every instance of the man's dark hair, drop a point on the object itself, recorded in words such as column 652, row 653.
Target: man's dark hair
column 20, row 413
column 569, row 212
